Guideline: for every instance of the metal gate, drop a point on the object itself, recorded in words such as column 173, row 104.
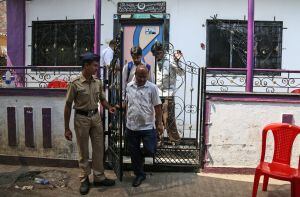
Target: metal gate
column 115, row 121
column 188, row 117
column 189, row 113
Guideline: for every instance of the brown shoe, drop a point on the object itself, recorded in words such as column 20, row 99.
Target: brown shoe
column 174, row 136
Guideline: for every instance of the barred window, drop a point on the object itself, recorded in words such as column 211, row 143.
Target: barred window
column 227, row 44
column 60, row 43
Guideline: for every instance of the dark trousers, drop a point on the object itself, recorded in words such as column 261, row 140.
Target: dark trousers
column 138, row 154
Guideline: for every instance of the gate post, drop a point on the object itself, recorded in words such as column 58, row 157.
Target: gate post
column 203, row 117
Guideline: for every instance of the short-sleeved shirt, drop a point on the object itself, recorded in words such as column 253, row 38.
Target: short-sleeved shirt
column 166, row 73
column 129, row 77
column 141, row 101
column 85, row 95
column 106, row 56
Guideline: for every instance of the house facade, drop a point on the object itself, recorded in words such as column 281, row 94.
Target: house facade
column 192, row 23
column 213, row 34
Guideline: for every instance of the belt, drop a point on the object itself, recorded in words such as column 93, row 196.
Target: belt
column 88, row 113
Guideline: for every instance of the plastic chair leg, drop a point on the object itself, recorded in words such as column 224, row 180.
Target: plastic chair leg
column 255, row 183
column 295, row 187
column 265, row 184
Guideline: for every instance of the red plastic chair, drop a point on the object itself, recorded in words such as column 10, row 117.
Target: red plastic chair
column 284, row 137
column 58, row 83
column 296, row 91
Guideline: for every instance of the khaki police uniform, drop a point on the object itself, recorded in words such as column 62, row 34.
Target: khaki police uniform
column 87, row 123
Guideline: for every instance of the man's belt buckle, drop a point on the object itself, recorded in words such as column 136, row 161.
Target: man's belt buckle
column 90, row 113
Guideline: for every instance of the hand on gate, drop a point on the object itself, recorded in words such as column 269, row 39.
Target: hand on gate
column 68, row 134
column 177, row 55
column 112, row 110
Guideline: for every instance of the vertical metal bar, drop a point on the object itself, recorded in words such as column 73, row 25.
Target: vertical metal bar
column 28, row 118
column 250, row 40
column 198, row 107
column 184, row 98
column 191, row 100
column 288, row 79
column 55, row 44
column 202, row 118
column 46, row 116
column 121, row 115
column 97, row 30
column 76, row 45
column 11, row 126
column 104, row 83
column 230, row 55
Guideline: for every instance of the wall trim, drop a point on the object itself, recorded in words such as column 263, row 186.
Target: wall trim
column 35, row 161
column 33, row 92
column 253, row 97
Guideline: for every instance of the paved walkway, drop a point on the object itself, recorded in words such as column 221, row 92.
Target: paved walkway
column 156, row 184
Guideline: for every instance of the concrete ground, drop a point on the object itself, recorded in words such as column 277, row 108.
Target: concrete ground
column 156, row 184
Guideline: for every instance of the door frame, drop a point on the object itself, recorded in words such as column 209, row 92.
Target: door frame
column 120, row 20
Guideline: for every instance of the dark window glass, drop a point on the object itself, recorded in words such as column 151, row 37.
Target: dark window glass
column 60, row 43
column 227, row 44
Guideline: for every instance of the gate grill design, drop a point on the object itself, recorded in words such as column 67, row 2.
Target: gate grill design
column 60, row 43
column 115, row 121
column 189, row 111
column 187, row 95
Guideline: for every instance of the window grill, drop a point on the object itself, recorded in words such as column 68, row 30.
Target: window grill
column 60, row 43
column 227, row 44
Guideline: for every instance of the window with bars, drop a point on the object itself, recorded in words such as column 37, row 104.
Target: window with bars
column 60, row 43
column 227, row 44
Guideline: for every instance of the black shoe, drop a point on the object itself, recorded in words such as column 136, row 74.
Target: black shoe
column 105, row 182
column 138, row 180
column 85, row 187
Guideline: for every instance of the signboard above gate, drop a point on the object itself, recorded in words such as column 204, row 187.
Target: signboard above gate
column 141, row 7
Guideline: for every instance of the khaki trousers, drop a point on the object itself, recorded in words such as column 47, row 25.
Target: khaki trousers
column 85, row 128
column 168, row 117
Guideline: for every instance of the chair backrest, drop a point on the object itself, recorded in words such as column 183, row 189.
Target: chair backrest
column 284, row 137
column 56, row 83
column 297, row 91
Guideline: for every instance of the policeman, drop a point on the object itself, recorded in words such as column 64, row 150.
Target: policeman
column 86, row 92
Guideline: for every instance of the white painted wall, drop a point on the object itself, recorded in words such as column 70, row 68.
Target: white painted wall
column 62, row 149
column 54, row 10
column 187, row 23
column 234, row 135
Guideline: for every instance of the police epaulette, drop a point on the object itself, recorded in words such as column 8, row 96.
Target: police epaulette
column 75, row 79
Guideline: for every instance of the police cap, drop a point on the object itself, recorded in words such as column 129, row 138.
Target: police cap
column 89, row 57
